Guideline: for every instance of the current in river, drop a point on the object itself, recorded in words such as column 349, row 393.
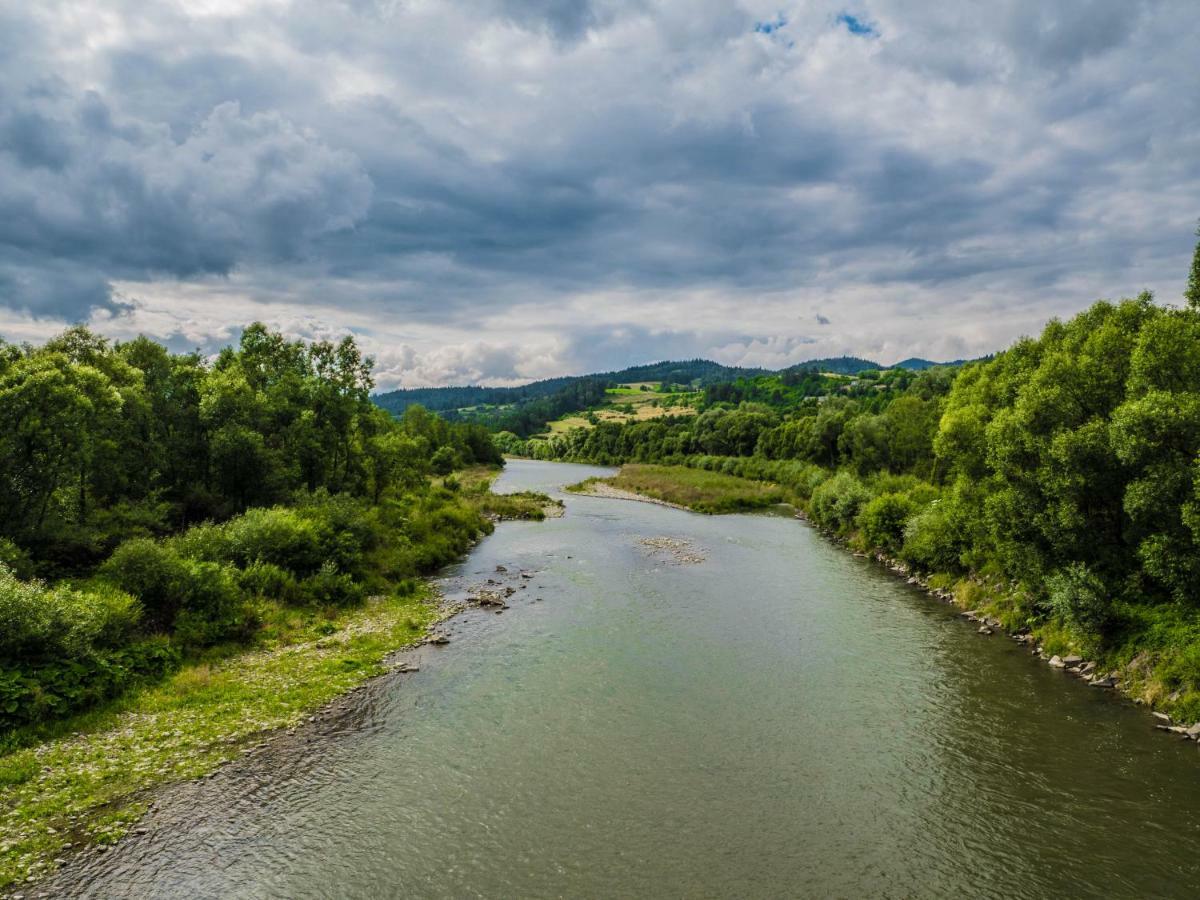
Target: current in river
column 679, row 705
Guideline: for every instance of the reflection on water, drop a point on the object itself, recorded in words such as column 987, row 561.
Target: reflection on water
column 776, row 719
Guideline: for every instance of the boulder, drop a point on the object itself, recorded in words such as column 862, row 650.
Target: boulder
column 983, row 629
column 1072, row 661
column 1194, row 732
column 1056, row 662
column 1162, row 717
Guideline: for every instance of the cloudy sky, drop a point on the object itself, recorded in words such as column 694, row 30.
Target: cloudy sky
column 499, row 190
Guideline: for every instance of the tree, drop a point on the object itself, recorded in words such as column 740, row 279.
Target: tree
column 1192, row 294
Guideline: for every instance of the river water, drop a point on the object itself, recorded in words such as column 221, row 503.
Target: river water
column 778, row 719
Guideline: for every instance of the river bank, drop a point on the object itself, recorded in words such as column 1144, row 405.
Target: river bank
column 694, row 709
column 84, row 788
column 990, row 605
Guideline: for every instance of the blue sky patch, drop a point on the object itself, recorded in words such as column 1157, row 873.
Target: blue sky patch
column 857, row 26
column 770, row 27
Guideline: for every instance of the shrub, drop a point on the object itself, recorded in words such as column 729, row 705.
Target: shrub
column 276, row 535
column 329, row 587
column 444, row 461
column 264, row 579
column 836, row 502
column 32, row 693
column 152, row 572
column 206, row 543
column 931, row 540
column 15, row 559
column 1080, row 599
column 883, row 520
column 213, row 607
column 39, row 622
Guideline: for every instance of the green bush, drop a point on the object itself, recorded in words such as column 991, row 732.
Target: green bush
column 329, row 587
column 883, row 520
column 152, row 572
column 40, row 622
column 1080, row 599
column 205, row 543
column 263, row 579
column 214, row 608
column 276, row 535
column 836, row 502
column 15, row 559
column 33, row 693
column 931, row 539
column 444, row 461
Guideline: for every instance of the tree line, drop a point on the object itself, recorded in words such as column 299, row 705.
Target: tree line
column 153, row 504
column 1067, row 467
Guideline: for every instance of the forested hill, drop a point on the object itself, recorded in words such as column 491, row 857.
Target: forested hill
column 697, row 372
column 694, row 373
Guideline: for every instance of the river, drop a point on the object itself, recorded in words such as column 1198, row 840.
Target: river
column 743, row 710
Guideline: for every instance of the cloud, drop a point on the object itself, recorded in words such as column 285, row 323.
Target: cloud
column 503, row 189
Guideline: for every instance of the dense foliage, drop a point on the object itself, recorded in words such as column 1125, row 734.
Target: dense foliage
column 1066, row 466
column 188, row 501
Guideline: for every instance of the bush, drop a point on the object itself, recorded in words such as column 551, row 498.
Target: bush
column 263, row 579
column 277, row 535
column 15, row 559
column 152, row 572
column 329, row 587
column 444, row 461
column 38, row 622
column 931, row 540
column 33, row 693
column 836, row 502
column 883, row 520
column 200, row 600
column 1080, row 599
column 213, row 608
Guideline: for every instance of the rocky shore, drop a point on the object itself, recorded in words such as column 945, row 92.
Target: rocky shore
column 1089, row 671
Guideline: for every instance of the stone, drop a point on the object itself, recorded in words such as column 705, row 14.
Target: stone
column 1072, row 661
column 1056, row 662
column 983, row 629
column 1194, row 732
column 1162, row 717
column 501, row 569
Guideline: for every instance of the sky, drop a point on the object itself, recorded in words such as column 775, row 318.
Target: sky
column 494, row 191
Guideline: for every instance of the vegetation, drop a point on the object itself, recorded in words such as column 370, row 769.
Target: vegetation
column 154, row 506
column 1058, row 482
column 706, row 492
column 195, row 552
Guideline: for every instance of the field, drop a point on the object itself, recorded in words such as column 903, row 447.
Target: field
column 697, row 489
column 633, row 402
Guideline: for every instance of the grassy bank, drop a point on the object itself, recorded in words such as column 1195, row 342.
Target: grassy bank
column 84, row 780
column 91, row 784
column 696, row 489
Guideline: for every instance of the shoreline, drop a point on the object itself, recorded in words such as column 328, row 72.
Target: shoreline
column 601, row 489
column 77, row 795
column 265, row 752
column 1089, row 671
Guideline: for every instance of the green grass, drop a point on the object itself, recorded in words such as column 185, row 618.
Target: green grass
column 706, row 492
column 88, row 785
column 85, row 780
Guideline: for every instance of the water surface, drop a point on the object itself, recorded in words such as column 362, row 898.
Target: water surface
column 779, row 720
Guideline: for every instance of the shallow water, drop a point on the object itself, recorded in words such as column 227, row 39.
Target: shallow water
column 781, row 719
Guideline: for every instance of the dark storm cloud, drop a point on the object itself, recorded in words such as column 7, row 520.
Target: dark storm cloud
column 421, row 168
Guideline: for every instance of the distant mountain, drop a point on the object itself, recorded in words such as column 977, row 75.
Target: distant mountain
column 695, row 373
column 692, row 372
column 916, row 364
column 839, row 365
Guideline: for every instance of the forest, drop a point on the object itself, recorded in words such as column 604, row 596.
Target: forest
column 155, row 505
column 1065, row 469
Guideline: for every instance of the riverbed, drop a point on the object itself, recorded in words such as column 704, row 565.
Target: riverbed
column 679, row 705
